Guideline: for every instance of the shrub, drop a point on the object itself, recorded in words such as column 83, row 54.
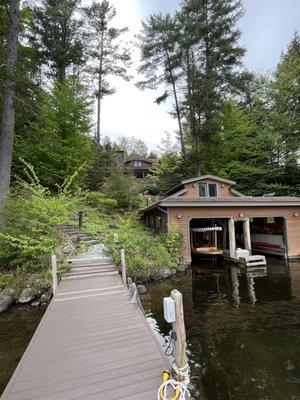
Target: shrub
column 100, row 201
column 147, row 256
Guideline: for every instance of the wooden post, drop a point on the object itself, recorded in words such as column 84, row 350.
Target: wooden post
column 225, row 236
column 247, row 235
column 179, row 328
column 54, row 273
column 80, row 219
column 232, row 242
column 123, row 265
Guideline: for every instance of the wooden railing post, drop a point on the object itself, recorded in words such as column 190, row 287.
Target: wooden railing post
column 123, row 265
column 180, row 356
column 54, row 273
column 80, row 219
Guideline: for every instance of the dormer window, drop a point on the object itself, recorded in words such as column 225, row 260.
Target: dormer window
column 137, row 163
column 208, row 190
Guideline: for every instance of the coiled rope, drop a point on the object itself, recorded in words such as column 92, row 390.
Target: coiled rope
column 180, row 386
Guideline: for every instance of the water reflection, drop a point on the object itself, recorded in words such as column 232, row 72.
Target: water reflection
column 251, row 273
column 243, row 329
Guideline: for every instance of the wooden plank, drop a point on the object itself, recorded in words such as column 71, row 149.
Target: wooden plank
column 91, row 343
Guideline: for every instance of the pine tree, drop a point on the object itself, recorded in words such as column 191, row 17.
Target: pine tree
column 106, row 53
column 160, row 64
column 211, row 54
column 59, row 143
column 285, row 117
column 56, row 34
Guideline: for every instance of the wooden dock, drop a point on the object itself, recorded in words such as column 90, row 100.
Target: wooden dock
column 92, row 343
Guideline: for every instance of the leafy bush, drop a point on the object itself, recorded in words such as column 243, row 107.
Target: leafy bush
column 100, row 201
column 147, row 256
column 123, row 188
column 31, row 218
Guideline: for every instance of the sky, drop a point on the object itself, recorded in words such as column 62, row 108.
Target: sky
column 267, row 28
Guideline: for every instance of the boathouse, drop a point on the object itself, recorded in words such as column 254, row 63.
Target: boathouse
column 214, row 218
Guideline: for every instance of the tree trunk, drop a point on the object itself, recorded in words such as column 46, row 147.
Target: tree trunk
column 176, row 102
column 98, row 133
column 8, row 111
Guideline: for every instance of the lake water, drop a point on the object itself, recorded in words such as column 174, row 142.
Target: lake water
column 243, row 332
column 17, row 325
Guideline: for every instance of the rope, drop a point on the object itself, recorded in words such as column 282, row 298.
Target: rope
column 180, row 386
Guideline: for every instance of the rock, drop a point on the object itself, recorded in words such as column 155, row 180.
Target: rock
column 27, row 295
column 113, row 226
column 7, row 297
column 165, row 273
column 68, row 249
column 42, row 285
column 46, row 297
column 173, row 271
column 142, row 289
column 35, row 304
column 182, row 268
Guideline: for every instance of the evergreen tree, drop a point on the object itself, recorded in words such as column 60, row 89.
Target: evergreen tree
column 105, row 51
column 285, row 116
column 160, row 64
column 59, row 143
column 56, row 33
column 212, row 56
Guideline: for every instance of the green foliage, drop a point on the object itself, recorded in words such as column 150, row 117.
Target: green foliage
column 123, row 188
column 147, row 256
column 31, row 218
column 100, row 201
column 58, row 144
column 56, row 35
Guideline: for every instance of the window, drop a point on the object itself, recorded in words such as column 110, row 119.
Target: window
column 271, row 220
column 208, row 190
column 202, row 189
column 212, row 190
column 137, row 163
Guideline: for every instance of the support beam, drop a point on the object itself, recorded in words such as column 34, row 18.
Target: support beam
column 180, row 356
column 232, row 241
column 247, row 235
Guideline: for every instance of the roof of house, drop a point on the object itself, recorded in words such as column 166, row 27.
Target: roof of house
column 229, row 201
column 201, row 178
column 137, row 158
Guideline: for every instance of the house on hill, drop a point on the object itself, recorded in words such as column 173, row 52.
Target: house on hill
column 211, row 214
column 139, row 166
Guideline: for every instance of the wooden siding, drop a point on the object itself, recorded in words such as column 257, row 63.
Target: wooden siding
column 187, row 213
column 223, row 189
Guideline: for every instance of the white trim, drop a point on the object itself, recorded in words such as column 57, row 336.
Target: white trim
column 229, row 204
column 234, row 191
column 208, row 176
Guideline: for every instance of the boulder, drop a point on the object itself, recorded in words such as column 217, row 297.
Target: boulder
column 35, row 304
column 27, row 295
column 46, row 297
column 173, row 271
column 68, row 249
column 142, row 289
column 182, row 268
column 42, row 285
column 7, row 297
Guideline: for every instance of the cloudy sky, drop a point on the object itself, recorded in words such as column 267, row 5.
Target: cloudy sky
column 267, row 28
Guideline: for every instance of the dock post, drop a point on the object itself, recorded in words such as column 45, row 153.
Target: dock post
column 80, row 219
column 247, row 235
column 123, row 265
column 232, row 242
column 181, row 361
column 54, row 273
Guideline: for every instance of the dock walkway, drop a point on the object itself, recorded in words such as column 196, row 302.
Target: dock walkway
column 92, row 342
